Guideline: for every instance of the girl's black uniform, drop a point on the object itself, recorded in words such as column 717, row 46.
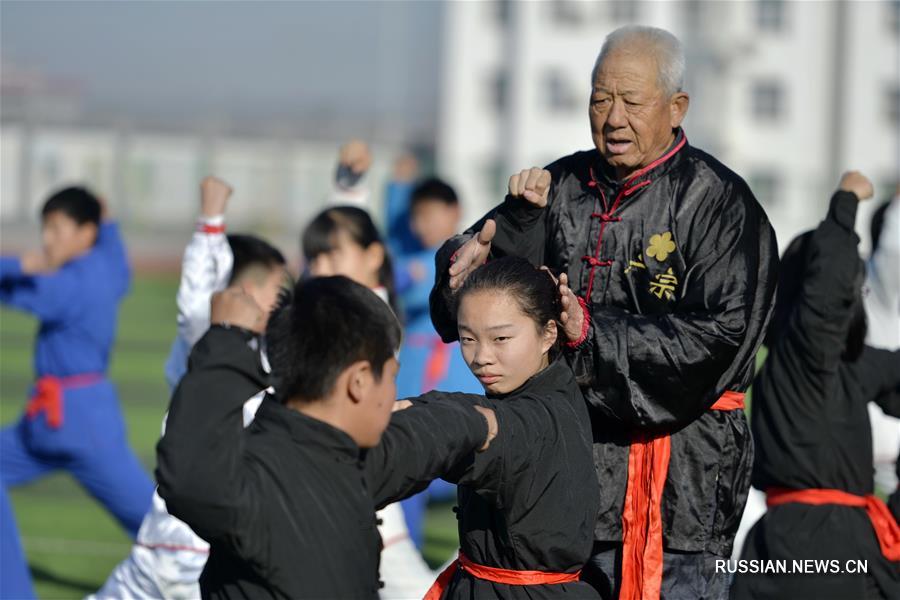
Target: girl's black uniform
column 530, row 501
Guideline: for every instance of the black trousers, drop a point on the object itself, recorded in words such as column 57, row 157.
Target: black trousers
column 686, row 575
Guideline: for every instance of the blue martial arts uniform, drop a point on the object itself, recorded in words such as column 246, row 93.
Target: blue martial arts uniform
column 73, row 420
column 401, row 239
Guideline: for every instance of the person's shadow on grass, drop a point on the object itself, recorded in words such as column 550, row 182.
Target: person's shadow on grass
column 45, row 576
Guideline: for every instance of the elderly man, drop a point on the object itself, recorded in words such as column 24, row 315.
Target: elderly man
column 673, row 262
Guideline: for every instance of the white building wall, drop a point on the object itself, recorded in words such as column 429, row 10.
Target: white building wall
column 466, row 149
column 150, row 180
column 873, row 67
column 794, row 147
column 728, row 52
column 161, row 175
column 61, row 157
column 10, row 173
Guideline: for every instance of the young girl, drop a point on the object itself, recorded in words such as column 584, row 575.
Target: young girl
column 527, row 505
column 343, row 240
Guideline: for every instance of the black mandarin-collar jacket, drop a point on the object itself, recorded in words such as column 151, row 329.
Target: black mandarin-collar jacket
column 677, row 265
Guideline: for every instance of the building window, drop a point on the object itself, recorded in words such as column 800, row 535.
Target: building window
column 893, row 16
column 765, row 186
column 500, row 11
column 51, row 168
column 496, row 178
column 624, row 11
column 892, row 105
column 770, row 15
column 768, row 101
column 498, row 90
column 693, row 12
column 557, row 93
column 565, row 12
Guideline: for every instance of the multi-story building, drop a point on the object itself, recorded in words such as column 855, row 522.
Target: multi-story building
column 787, row 94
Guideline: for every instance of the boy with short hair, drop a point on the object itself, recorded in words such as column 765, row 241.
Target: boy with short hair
column 213, row 261
column 426, row 362
column 289, row 509
column 73, row 420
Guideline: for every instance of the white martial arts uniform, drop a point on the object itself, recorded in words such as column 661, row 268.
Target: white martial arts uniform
column 168, row 557
column 882, row 301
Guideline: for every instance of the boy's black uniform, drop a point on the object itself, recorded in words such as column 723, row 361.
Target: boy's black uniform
column 676, row 266
column 812, row 432
column 529, row 502
column 288, row 505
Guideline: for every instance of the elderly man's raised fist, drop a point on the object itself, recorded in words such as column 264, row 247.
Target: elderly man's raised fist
column 531, row 184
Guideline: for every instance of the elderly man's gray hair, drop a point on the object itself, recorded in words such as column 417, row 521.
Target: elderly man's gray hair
column 665, row 47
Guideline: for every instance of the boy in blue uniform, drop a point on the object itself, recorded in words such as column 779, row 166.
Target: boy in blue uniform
column 72, row 420
column 426, row 362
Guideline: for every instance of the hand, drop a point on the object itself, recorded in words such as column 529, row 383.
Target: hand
column 401, row 405
column 33, row 262
column 405, row 168
column 859, row 184
column 571, row 316
column 472, row 255
column 214, row 194
column 356, row 156
column 234, row 306
column 104, row 208
column 531, row 184
column 493, row 427
column 417, row 271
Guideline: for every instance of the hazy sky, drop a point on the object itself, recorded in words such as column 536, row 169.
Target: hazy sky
column 265, row 61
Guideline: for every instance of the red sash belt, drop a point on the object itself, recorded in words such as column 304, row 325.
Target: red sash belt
column 642, row 543
column 495, row 575
column 886, row 528
column 48, row 395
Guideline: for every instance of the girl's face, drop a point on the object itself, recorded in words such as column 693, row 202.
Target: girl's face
column 502, row 345
column 349, row 259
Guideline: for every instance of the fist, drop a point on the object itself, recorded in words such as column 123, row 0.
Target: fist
column 356, row 156
column 104, row 208
column 401, row 405
column 493, row 426
column 214, row 194
column 531, row 184
column 405, row 168
column 234, row 306
column 34, row 261
column 859, row 184
column 418, row 271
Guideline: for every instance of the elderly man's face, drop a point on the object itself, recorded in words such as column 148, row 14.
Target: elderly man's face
column 632, row 119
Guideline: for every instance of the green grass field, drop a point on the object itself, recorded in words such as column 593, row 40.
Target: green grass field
column 70, row 541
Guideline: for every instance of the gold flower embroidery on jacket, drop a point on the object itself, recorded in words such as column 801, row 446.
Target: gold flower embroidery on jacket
column 661, row 245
